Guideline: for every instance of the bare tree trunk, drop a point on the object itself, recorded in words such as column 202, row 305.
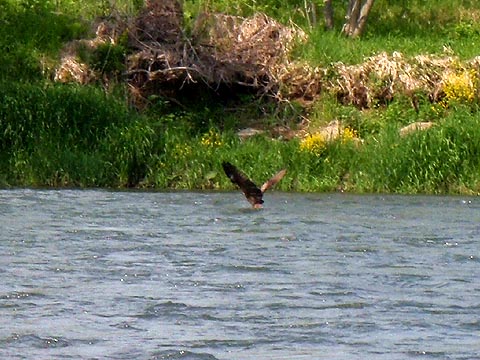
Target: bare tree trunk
column 352, row 15
column 310, row 13
column 357, row 14
column 328, row 14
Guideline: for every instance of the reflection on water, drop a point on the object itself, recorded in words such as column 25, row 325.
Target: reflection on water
column 147, row 275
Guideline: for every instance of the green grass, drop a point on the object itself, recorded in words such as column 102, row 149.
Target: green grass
column 443, row 159
column 30, row 32
column 63, row 135
column 77, row 136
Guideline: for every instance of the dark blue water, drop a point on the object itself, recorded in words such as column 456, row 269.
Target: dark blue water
column 145, row 275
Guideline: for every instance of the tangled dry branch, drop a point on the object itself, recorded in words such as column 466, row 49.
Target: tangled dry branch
column 222, row 50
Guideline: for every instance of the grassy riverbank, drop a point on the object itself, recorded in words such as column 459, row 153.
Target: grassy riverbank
column 84, row 136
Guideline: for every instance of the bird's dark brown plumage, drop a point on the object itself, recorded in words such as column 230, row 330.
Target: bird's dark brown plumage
column 252, row 192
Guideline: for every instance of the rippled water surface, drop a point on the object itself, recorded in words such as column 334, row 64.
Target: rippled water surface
column 148, row 275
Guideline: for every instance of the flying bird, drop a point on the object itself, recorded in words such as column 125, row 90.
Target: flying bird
column 252, row 192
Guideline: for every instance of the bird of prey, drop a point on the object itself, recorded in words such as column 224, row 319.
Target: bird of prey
column 252, row 192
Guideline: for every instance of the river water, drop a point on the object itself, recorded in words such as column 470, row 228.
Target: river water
column 99, row 274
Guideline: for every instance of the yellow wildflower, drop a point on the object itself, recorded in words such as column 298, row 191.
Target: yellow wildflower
column 211, row 139
column 348, row 135
column 460, row 86
column 182, row 150
column 313, row 143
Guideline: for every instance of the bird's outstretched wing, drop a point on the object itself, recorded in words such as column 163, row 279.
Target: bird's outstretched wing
column 273, row 180
column 253, row 194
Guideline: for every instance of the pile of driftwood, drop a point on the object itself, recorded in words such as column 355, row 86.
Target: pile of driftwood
column 221, row 52
column 227, row 54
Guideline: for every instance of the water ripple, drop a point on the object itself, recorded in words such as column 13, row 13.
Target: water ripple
column 165, row 275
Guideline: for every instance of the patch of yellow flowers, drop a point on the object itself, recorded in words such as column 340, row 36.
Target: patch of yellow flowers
column 349, row 135
column 313, row 143
column 182, row 150
column 211, row 139
column 461, row 86
column 316, row 143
